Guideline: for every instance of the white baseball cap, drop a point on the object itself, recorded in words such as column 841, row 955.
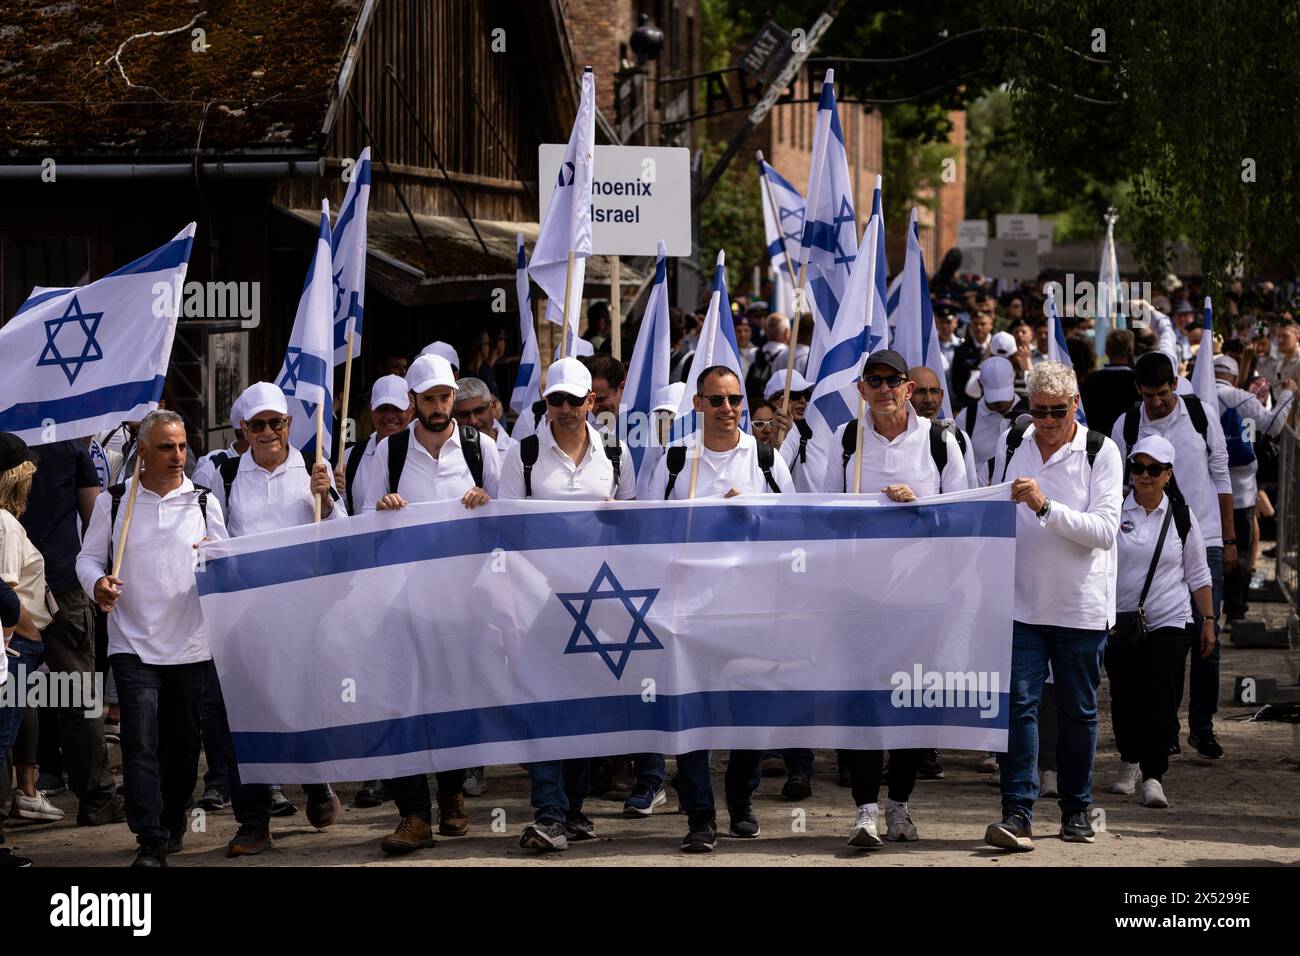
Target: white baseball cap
column 1158, row 447
column 1226, row 363
column 998, row 378
column 580, row 347
column 776, row 384
column 1003, row 343
column 236, row 415
column 445, row 350
column 390, row 390
column 429, row 370
column 669, row 398
column 261, row 397
column 568, row 375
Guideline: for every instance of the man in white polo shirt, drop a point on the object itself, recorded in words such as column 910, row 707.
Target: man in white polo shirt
column 390, row 410
column 1201, row 471
column 476, row 406
column 1069, row 482
column 927, row 400
column 268, row 488
column 157, row 642
column 565, row 460
column 433, row 459
column 731, row 463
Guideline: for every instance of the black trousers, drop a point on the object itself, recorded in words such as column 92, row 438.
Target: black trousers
column 1236, row 583
column 412, row 796
column 1144, row 681
column 867, row 767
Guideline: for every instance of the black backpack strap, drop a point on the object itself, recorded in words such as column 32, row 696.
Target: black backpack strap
column 1015, row 435
column 473, row 453
column 115, row 493
column 805, row 433
column 350, row 474
column 203, row 503
column 676, row 462
column 1182, row 518
column 849, row 444
column 528, row 450
column 939, row 448
column 767, row 458
column 972, row 411
column 958, row 434
column 539, row 411
column 399, row 443
column 229, row 469
column 614, row 452
column 1094, row 442
column 1196, row 411
column 1155, row 558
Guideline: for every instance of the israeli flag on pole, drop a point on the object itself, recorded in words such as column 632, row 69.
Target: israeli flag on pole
column 1203, row 383
column 1057, row 349
column 647, row 373
column 307, row 376
column 566, row 226
column 348, row 249
column 878, row 334
column 83, row 360
column 835, row 394
column 915, row 337
column 717, row 347
column 784, row 230
column 830, row 229
column 1107, row 290
column 528, row 380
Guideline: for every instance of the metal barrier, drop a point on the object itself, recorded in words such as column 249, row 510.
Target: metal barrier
column 1287, row 507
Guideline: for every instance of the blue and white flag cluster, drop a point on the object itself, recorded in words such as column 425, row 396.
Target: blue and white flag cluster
column 605, row 602
column 783, row 213
column 307, row 376
column 83, row 360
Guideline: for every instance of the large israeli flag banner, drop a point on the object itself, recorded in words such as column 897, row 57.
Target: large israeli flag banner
column 307, row 376
column 348, row 249
column 83, row 360
column 578, row 629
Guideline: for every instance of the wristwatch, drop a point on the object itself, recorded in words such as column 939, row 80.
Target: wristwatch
column 1043, row 512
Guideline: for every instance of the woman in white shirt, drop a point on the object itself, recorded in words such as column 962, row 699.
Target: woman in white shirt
column 1145, row 674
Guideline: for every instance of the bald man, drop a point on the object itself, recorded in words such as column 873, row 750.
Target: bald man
column 927, row 400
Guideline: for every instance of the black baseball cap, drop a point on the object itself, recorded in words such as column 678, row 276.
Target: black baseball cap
column 13, row 451
column 886, row 357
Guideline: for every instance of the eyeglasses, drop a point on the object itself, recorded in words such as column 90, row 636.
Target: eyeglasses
column 923, row 392
column 471, row 412
column 762, row 426
column 257, row 424
column 556, row 399
column 1155, row 469
column 1056, row 411
column 717, row 400
column 875, row 381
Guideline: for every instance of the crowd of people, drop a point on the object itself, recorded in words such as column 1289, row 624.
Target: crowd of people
column 1138, row 513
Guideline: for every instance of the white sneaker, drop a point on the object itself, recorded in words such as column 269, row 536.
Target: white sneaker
column 899, row 826
column 35, row 808
column 989, row 764
column 1130, row 775
column 1153, row 795
column 1047, row 784
column 866, row 833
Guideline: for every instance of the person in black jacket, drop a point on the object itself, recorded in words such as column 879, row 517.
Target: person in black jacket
column 1109, row 392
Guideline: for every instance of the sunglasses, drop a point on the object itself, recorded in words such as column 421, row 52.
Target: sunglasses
column 875, row 381
column 257, row 424
column 763, row 426
column 1155, row 469
column 556, row 399
column 471, row 412
column 1056, row 411
column 717, row 400
column 804, row 396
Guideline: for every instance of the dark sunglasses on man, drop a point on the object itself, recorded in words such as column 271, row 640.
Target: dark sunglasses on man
column 875, row 381
column 1155, row 469
column 257, row 424
column 717, row 400
column 469, row 413
column 556, row 399
column 1056, row 411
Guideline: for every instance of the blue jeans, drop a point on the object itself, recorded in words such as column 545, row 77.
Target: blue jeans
column 30, row 654
column 161, row 717
column 559, row 787
column 1203, row 703
column 1076, row 656
column 649, row 770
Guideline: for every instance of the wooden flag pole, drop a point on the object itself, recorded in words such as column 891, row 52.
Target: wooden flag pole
column 568, row 292
column 320, row 454
column 615, row 310
column 347, row 391
column 130, row 509
column 857, row 471
column 541, row 356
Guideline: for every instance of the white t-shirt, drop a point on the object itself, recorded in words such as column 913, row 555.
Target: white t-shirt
column 556, row 477
column 905, row 459
column 720, row 471
column 1181, row 569
column 23, row 568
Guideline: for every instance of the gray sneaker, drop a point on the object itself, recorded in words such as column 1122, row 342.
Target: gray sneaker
column 475, row 782
column 544, row 836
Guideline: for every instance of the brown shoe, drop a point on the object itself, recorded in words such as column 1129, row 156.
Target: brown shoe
column 411, row 834
column 102, row 813
column 323, row 807
column 452, row 820
column 249, row 841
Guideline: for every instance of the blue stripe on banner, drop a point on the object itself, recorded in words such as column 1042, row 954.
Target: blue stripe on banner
column 605, row 528
column 602, row 715
column 45, row 296
column 171, row 256
column 74, row 408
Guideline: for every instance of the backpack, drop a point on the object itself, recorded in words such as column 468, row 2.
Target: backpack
column 805, row 433
column 760, row 370
column 1241, row 451
column 1016, row 434
column 400, row 443
column 677, row 461
column 116, row 492
column 350, row 475
column 530, row 445
column 1132, row 419
column 938, row 447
